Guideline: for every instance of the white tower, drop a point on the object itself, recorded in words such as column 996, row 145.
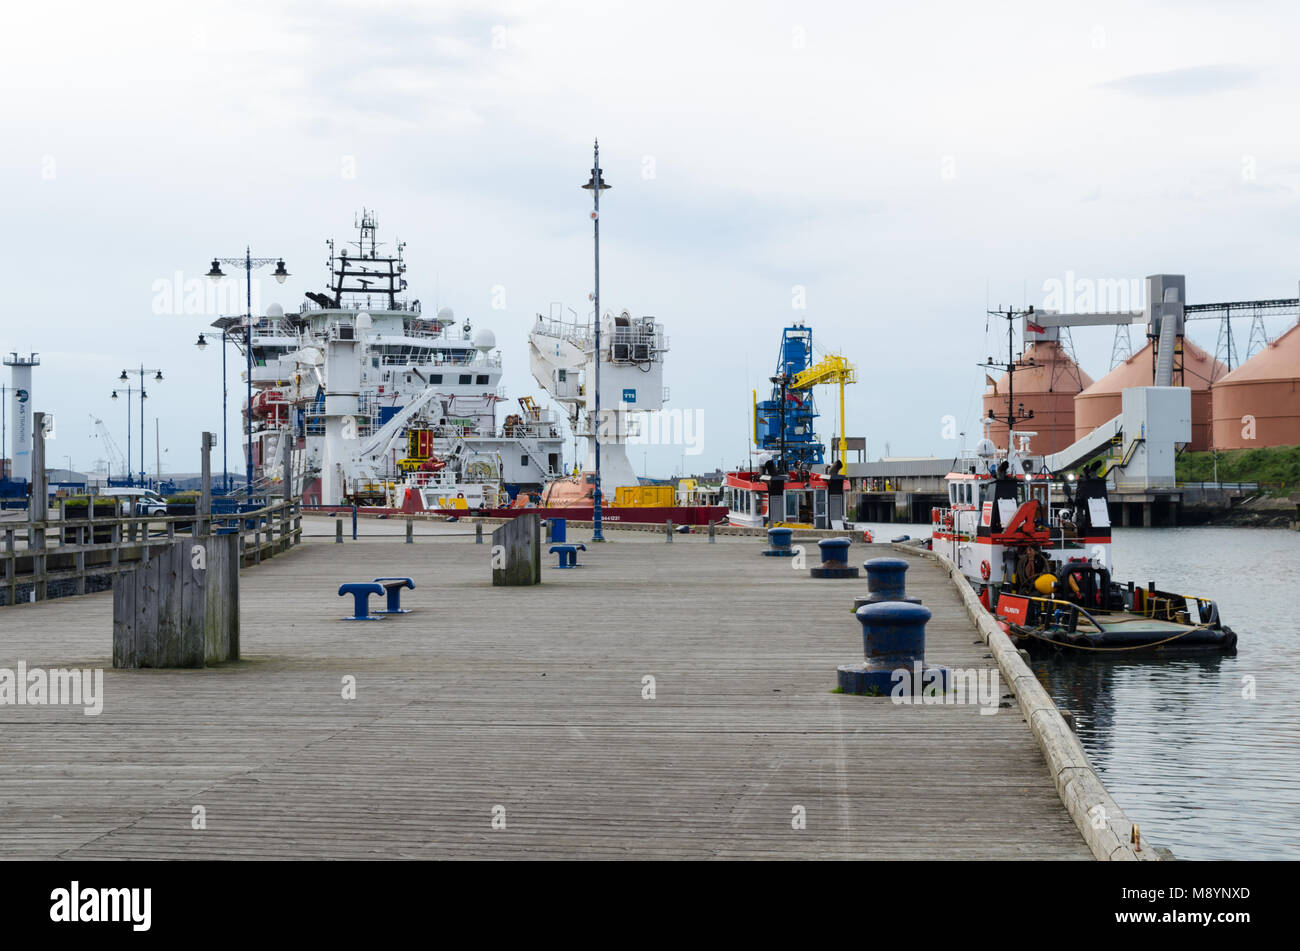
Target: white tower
column 22, row 414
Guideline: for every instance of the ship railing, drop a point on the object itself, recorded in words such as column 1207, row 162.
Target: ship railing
column 66, row 551
column 368, row 306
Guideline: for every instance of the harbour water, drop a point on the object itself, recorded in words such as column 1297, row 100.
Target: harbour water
column 1203, row 753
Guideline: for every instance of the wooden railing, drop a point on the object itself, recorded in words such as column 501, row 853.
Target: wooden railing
column 37, row 553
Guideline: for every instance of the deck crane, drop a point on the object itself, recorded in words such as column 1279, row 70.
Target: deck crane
column 114, row 454
column 831, row 369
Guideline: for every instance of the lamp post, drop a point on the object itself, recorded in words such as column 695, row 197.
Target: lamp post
column 158, row 378
column 215, row 273
column 596, row 185
column 202, row 344
column 130, row 480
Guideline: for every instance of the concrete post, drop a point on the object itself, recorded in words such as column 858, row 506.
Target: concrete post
column 668, row 531
column 712, row 540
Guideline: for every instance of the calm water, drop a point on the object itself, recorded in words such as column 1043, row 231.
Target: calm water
column 1203, row 769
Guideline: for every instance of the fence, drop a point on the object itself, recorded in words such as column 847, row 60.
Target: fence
column 66, row 552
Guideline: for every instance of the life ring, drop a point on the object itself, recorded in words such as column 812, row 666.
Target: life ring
column 866, row 535
column 985, row 570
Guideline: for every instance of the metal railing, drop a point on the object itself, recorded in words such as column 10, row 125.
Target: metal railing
column 68, row 551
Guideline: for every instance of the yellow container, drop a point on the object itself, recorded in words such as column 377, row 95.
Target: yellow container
column 644, row 496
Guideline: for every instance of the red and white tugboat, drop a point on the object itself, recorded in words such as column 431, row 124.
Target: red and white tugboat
column 1036, row 547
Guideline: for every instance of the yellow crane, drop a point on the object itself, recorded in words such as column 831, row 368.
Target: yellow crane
column 831, row 369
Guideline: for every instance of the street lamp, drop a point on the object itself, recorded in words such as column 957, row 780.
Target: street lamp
column 596, row 185
column 202, row 344
column 130, row 479
column 280, row 274
column 158, row 378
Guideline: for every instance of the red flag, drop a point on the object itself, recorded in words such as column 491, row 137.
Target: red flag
column 1035, row 328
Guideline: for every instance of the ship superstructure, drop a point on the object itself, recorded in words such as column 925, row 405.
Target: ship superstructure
column 366, row 389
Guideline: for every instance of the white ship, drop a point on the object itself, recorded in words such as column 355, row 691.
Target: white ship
column 361, row 396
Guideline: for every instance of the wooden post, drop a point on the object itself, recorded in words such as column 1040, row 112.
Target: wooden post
column 518, row 543
column 203, row 520
column 478, row 534
column 338, row 531
column 38, row 508
column 179, row 607
column 11, row 571
column 668, row 531
column 410, row 531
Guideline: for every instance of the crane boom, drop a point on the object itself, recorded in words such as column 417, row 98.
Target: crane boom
column 831, row 369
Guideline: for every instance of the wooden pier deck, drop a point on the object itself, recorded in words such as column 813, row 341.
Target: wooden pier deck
column 524, row 698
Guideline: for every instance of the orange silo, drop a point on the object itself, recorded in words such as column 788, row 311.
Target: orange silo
column 1258, row 404
column 1048, row 389
column 1104, row 399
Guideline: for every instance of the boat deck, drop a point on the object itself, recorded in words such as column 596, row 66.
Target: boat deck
column 528, row 699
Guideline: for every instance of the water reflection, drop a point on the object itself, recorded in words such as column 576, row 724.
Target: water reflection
column 1203, row 752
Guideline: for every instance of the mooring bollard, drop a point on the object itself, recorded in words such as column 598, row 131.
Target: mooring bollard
column 410, row 531
column 893, row 642
column 712, row 540
column 668, row 531
column 354, row 522
column 835, row 559
column 559, row 530
column 338, row 531
column 886, row 581
column 778, row 540
column 478, row 534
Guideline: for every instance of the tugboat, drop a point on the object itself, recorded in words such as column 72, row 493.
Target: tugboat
column 1044, row 570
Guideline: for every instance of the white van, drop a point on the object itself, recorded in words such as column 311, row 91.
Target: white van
column 143, row 501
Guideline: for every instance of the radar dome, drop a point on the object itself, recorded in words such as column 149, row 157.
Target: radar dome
column 485, row 340
column 985, row 449
column 364, row 321
column 275, row 311
column 446, row 314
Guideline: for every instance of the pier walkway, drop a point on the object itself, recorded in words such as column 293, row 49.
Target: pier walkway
column 527, row 704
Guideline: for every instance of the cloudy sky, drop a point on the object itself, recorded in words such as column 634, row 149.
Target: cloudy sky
column 903, row 164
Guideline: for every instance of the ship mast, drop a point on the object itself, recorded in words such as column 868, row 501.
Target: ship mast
column 1014, row 415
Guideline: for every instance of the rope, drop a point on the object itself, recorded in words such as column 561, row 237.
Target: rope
column 1106, row 650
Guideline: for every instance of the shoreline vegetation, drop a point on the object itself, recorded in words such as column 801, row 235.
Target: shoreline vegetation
column 1250, row 488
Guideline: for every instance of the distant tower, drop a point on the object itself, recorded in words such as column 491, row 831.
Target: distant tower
column 22, row 414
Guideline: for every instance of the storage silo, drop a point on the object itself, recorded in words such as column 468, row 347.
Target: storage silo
column 1258, row 404
column 1102, row 401
column 1048, row 389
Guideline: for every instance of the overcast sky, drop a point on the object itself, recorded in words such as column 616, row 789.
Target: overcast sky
column 904, row 164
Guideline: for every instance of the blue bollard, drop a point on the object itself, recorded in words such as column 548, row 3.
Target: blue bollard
column 835, row 559
column 361, row 592
column 886, row 581
column 354, row 522
column 558, row 530
column 893, row 642
column 778, row 540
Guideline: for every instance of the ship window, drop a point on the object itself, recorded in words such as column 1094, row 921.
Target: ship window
column 465, row 378
column 374, row 361
column 482, row 380
column 523, row 461
column 561, row 375
column 435, row 377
